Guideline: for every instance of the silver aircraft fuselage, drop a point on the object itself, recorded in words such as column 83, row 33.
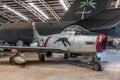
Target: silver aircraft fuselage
column 72, row 41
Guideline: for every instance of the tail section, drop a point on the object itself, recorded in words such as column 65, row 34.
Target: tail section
column 35, row 32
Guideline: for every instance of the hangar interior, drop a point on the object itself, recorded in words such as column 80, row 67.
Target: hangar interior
column 53, row 10
column 74, row 38
column 59, row 17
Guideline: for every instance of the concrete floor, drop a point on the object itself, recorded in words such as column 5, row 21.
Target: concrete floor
column 59, row 69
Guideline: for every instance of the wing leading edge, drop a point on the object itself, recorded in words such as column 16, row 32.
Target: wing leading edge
column 32, row 49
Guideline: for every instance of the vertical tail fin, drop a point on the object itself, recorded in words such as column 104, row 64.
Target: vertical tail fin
column 35, row 32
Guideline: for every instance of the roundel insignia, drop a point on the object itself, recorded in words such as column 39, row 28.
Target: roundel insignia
column 41, row 43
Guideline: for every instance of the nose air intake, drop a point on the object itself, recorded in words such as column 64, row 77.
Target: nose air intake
column 101, row 43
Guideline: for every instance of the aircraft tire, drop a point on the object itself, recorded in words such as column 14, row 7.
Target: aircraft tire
column 48, row 54
column 96, row 66
column 66, row 56
column 42, row 58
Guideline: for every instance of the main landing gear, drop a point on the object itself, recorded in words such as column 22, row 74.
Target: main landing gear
column 48, row 54
column 41, row 57
column 92, row 60
column 66, row 55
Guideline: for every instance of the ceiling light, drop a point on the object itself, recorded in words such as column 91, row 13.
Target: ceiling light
column 64, row 5
column 38, row 9
column 17, row 13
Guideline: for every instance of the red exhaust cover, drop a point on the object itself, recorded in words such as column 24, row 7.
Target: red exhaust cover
column 101, row 43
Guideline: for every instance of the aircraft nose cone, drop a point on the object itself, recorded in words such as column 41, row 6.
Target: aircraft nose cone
column 102, row 42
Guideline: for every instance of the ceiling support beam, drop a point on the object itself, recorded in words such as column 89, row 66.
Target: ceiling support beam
column 32, row 10
column 10, row 18
column 44, row 3
column 16, row 13
column 50, row 9
column 2, row 21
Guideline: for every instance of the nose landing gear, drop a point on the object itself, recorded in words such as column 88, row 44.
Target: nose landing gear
column 95, row 64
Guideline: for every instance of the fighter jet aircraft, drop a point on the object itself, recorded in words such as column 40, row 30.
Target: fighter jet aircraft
column 11, row 34
column 73, row 39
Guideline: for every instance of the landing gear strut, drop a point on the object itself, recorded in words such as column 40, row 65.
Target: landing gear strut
column 41, row 58
column 66, row 55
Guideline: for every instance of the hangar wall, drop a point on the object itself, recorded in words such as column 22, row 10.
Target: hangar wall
column 12, row 32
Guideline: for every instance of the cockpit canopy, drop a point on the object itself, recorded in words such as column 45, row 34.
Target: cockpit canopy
column 75, row 29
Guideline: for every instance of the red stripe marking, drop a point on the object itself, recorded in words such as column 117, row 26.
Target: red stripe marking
column 14, row 52
column 47, row 41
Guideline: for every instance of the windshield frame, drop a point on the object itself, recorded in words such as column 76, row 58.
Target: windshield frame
column 76, row 29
